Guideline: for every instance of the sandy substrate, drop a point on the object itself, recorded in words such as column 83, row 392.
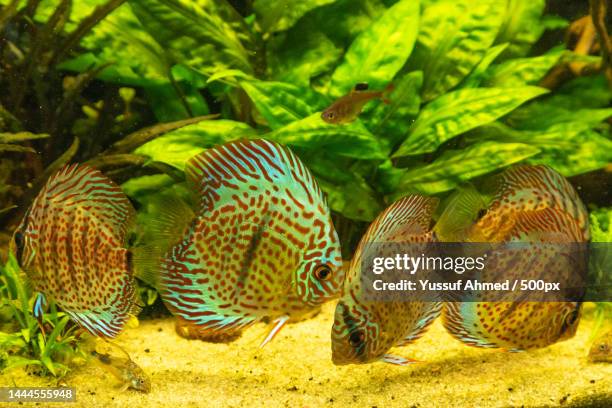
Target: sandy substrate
column 295, row 370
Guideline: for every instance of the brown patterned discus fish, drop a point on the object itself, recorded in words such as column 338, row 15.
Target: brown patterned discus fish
column 365, row 330
column 261, row 245
column 532, row 204
column 71, row 244
column 601, row 350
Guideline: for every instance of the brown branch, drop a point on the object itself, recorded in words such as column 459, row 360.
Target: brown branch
column 598, row 14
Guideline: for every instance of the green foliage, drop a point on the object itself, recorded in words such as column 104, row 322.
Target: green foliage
column 22, row 342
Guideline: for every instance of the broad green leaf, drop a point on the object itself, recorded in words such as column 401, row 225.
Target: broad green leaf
column 521, row 26
column 352, row 140
column 455, row 35
column 178, row 146
column 590, row 151
column 478, row 73
column 376, row 62
column 300, row 54
column 169, row 106
column 137, row 59
column 458, row 166
column 347, row 191
column 585, row 99
column 521, row 71
column 207, row 35
column 281, row 15
column 459, row 111
column 393, row 120
column 140, row 187
column 281, row 103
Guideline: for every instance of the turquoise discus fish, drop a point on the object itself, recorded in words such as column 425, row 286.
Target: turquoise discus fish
column 261, row 245
column 531, row 204
column 71, row 244
column 365, row 330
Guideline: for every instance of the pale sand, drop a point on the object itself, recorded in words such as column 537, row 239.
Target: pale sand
column 296, row 370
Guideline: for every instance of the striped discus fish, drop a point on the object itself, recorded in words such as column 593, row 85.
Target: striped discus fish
column 261, row 245
column 71, row 244
column 532, row 204
column 365, row 330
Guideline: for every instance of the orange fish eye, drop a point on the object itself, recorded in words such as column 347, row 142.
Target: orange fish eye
column 603, row 347
column 356, row 338
column 323, row 272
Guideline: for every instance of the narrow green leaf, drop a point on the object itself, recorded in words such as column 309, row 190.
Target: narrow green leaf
column 455, row 35
column 281, row 15
column 176, row 147
column 455, row 167
column 459, row 111
column 352, row 140
column 376, row 62
column 21, row 137
column 207, row 35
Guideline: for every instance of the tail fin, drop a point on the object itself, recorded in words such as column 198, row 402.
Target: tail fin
column 460, row 213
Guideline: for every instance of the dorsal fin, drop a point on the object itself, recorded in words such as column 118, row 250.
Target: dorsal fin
column 412, row 215
column 244, row 165
column 82, row 186
column 461, row 211
column 536, row 187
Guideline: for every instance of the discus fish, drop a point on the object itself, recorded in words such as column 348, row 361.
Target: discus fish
column 125, row 370
column 364, row 330
column 531, row 204
column 71, row 244
column 260, row 246
column 347, row 108
column 601, row 350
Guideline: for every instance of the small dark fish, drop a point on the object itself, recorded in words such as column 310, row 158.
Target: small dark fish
column 601, row 350
column 347, row 108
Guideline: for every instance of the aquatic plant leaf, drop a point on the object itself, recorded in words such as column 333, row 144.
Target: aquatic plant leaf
column 21, row 137
column 300, row 54
column 393, row 120
column 459, row 111
column 522, row 26
column 171, row 104
column 137, row 59
column 352, row 140
column 457, row 166
column 178, row 146
column 138, row 188
column 454, row 36
column 588, row 151
column 206, row 35
column 585, row 99
column 521, row 71
column 347, row 191
column 282, row 103
column 279, row 15
column 475, row 77
column 376, row 62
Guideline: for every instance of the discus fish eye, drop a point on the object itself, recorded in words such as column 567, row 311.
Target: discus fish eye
column 356, row 338
column 323, row 272
column 603, row 347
